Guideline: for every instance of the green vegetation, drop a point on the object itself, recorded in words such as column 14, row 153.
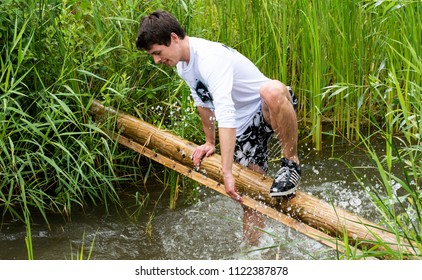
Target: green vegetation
column 355, row 65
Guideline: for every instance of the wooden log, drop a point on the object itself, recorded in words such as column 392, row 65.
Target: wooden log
column 303, row 207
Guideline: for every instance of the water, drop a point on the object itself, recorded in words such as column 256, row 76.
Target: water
column 208, row 229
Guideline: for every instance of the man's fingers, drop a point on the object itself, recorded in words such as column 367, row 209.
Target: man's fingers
column 236, row 196
column 197, row 157
column 209, row 153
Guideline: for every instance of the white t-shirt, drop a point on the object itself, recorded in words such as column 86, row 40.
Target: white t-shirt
column 222, row 79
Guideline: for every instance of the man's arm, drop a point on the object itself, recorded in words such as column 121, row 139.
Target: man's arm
column 208, row 124
column 227, row 138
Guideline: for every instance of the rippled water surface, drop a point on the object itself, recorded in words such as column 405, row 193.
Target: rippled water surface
column 208, row 229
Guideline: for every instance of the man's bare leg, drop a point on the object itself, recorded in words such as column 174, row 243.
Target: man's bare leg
column 253, row 221
column 280, row 114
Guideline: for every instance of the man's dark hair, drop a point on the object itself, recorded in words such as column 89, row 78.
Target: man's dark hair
column 156, row 29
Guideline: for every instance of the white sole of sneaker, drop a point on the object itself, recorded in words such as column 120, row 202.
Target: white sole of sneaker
column 278, row 194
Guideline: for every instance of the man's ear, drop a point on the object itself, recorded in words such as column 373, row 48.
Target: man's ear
column 174, row 37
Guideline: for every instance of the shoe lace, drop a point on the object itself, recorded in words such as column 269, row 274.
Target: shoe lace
column 283, row 174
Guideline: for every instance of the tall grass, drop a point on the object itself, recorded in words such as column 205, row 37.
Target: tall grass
column 355, row 65
column 52, row 156
column 397, row 193
column 396, row 196
column 326, row 50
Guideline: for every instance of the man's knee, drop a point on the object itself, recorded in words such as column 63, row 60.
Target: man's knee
column 274, row 92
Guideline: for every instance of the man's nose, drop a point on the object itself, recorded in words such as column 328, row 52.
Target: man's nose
column 156, row 58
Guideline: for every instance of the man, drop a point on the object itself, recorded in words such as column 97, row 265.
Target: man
column 229, row 88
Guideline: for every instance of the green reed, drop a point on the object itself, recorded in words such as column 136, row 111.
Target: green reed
column 355, row 66
column 327, row 51
column 396, row 196
column 80, row 253
column 52, row 156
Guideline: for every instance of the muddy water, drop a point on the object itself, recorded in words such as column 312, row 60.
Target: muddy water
column 208, row 229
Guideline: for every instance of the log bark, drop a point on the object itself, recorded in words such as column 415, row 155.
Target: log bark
column 303, row 207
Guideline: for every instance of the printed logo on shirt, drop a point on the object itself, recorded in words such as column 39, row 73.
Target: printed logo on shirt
column 230, row 49
column 203, row 92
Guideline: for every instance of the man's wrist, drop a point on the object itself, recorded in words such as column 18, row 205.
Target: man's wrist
column 227, row 172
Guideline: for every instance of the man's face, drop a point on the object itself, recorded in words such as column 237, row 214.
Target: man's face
column 168, row 55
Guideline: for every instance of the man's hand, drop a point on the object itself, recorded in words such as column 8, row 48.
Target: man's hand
column 230, row 187
column 202, row 151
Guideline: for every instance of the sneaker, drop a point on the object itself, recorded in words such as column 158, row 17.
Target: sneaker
column 294, row 99
column 286, row 179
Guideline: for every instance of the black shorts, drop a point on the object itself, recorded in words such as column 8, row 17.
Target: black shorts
column 252, row 146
